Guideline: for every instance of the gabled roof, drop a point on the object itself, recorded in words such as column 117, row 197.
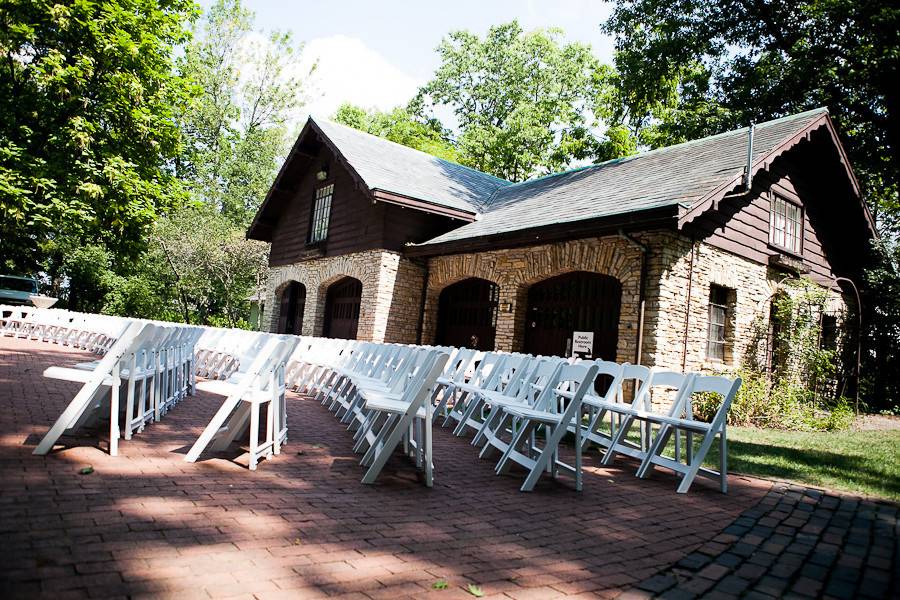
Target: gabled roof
column 385, row 170
column 690, row 177
column 391, row 167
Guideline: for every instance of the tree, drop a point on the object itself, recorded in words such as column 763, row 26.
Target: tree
column 689, row 69
column 523, row 102
column 87, row 103
column 236, row 127
column 208, row 264
column 399, row 125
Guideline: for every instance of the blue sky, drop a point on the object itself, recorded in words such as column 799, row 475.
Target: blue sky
column 377, row 53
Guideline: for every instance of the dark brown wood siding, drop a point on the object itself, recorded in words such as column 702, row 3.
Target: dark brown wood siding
column 805, row 177
column 356, row 223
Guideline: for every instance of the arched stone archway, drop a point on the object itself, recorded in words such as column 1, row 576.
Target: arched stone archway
column 343, row 300
column 289, row 308
column 558, row 306
column 516, row 270
column 467, row 314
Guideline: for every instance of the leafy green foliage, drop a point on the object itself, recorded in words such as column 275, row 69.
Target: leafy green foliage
column 400, row 126
column 689, row 69
column 235, row 128
column 881, row 342
column 87, row 104
column 208, row 264
column 523, row 102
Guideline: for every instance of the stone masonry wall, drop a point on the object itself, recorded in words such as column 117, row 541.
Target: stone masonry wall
column 391, row 293
column 515, row 270
column 675, row 282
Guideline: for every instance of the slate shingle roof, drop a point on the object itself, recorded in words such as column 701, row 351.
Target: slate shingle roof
column 385, row 165
column 668, row 176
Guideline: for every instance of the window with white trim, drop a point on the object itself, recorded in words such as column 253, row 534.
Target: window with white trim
column 718, row 322
column 318, row 228
column 786, row 225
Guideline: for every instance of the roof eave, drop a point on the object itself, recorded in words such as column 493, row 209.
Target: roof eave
column 422, row 205
column 713, row 197
column 661, row 217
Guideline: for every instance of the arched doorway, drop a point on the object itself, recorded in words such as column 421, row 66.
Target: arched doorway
column 293, row 304
column 467, row 314
column 578, row 301
column 342, row 308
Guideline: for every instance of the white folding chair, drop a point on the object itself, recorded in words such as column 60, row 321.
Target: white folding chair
column 560, row 405
column 671, row 386
column 91, row 397
column 262, row 383
column 684, row 421
column 408, row 419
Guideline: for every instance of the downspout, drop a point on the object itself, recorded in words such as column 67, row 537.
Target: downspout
column 687, row 308
column 641, row 292
column 421, row 324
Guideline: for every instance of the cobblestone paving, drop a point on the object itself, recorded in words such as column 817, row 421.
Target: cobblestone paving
column 147, row 524
column 797, row 542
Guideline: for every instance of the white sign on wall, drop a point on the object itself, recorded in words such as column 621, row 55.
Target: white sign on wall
column 583, row 343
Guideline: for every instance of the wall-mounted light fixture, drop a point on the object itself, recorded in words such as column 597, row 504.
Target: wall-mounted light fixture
column 322, row 174
column 506, row 307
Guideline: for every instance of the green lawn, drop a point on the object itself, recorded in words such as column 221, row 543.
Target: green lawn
column 866, row 462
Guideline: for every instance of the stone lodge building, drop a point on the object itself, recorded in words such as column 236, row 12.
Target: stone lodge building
column 669, row 257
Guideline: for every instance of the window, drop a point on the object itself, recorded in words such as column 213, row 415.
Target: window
column 786, row 225
column 318, row 228
column 718, row 317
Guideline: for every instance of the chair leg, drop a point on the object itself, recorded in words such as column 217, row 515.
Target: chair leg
column 114, row 413
column 254, row 435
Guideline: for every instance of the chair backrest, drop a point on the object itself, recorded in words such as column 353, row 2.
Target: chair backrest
column 671, row 385
column 637, row 376
column 571, row 383
column 458, row 364
column 724, row 387
column 418, row 392
column 616, row 373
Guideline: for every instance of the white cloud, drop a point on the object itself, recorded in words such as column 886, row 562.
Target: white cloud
column 350, row 71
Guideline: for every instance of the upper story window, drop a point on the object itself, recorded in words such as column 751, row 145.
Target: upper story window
column 321, row 213
column 718, row 321
column 786, row 225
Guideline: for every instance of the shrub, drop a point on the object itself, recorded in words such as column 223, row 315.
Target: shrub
column 779, row 404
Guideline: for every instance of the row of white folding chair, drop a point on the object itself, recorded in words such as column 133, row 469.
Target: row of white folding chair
column 12, row 317
column 313, row 360
column 158, row 375
column 81, row 330
column 220, row 351
column 380, row 392
column 260, row 382
column 609, row 416
column 134, row 338
column 387, row 405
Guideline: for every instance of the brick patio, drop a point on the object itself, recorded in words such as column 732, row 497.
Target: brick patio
column 302, row 526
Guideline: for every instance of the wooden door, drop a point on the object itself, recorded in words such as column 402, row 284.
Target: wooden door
column 467, row 314
column 293, row 305
column 342, row 308
column 578, row 301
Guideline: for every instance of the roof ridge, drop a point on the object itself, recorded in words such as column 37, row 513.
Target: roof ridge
column 318, row 120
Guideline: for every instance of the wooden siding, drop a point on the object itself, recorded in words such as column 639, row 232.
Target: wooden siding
column 741, row 224
column 356, row 223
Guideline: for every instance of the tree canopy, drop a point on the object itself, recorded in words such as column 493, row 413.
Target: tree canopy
column 399, row 125
column 88, row 98
column 688, row 69
column 524, row 102
column 236, row 126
